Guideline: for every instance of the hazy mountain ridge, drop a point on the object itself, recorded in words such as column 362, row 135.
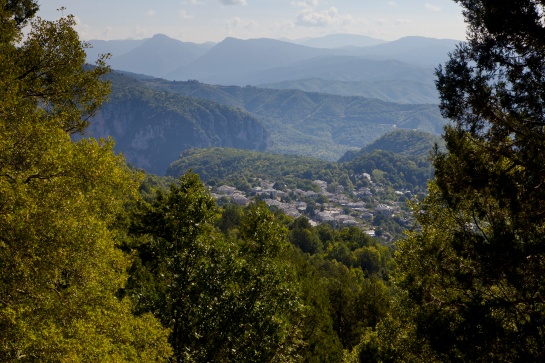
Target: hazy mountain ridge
column 399, row 91
column 242, row 62
column 346, row 68
column 339, row 41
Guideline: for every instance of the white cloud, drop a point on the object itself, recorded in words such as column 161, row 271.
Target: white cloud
column 306, row 3
column 392, row 3
column 184, row 14
column 238, row 23
column 150, row 13
column 313, row 18
column 233, row 2
column 380, row 22
column 433, row 8
column 191, row 2
column 402, row 21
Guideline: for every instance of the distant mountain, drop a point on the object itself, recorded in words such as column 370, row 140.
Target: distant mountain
column 315, row 124
column 114, row 47
column 339, row 41
column 232, row 60
column 152, row 127
column 256, row 61
column 402, row 142
column 156, row 56
column 396, row 90
column 415, row 50
column 345, row 68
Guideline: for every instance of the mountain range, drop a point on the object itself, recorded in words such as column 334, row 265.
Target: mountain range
column 335, row 58
column 311, row 99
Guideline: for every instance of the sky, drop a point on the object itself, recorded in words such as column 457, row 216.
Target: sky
column 200, row 21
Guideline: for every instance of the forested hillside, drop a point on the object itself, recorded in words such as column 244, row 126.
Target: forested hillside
column 394, row 90
column 153, row 120
column 315, row 124
column 403, row 142
column 152, row 127
column 233, row 166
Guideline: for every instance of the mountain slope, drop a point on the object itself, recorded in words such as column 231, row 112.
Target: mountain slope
column 315, row 124
column 396, row 90
column 152, row 127
column 339, row 40
column 401, row 142
column 231, row 60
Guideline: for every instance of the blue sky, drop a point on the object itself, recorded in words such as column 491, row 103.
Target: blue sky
column 213, row 20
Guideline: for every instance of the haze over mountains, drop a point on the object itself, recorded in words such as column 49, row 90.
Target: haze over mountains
column 389, row 65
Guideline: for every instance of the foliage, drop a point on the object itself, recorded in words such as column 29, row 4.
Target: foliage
column 395, row 170
column 231, row 165
column 402, row 142
column 228, row 299
column 60, row 268
column 472, row 279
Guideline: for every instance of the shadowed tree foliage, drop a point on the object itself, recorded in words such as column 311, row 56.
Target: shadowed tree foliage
column 225, row 299
column 472, row 279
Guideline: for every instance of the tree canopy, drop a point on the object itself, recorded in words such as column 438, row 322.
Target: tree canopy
column 472, row 279
column 60, row 268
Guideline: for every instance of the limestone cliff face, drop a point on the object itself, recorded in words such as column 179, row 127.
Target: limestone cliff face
column 152, row 128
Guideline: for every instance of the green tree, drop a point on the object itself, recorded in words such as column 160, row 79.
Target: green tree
column 60, row 268
column 225, row 298
column 472, row 279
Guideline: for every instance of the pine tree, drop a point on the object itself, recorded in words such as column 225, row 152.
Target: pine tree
column 471, row 280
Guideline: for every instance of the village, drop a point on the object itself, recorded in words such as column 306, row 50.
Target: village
column 366, row 207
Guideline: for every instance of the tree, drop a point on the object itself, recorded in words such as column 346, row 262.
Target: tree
column 224, row 298
column 60, row 268
column 472, row 279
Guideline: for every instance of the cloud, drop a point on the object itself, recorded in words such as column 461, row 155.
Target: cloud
column 150, row 13
column 191, row 2
column 402, row 21
column 433, row 8
column 238, row 23
column 233, row 2
column 380, row 22
column 306, row 3
column 313, row 18
column 184, row 14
